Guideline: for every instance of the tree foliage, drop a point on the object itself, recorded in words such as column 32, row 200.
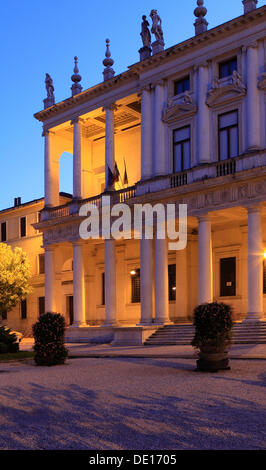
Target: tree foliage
column 14, row 276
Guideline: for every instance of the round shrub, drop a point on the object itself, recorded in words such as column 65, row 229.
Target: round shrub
column 8, row 341
column 213, row 324
column 49, row 335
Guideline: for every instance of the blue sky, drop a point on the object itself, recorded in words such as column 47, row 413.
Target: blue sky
column 43, row 36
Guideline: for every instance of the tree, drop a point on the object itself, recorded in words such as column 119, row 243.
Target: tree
column 14, row 277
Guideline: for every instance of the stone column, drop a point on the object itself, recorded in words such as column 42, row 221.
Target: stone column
column 255, row 265
column 205, row 282
column 77, row 159
column 109, row 143
column 146, row 134
column 110, row 283
column 253, row 105
column 203, row 116
column 146, row 281
column 160, row 162
column 78, row 285
column 181, row 285
column 161, row 282
column 51, row 172
column 50, row 284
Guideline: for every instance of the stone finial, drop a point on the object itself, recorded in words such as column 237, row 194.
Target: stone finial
column 50, row 100
column 76, row 78
column 201, row 24
column 249, row 5
column 108, row 62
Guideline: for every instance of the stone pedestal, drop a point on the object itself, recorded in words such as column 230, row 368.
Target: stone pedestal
column 157, row 46
column 47, row 102
column 144, row 53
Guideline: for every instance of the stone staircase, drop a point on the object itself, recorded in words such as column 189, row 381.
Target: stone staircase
column 243, row 333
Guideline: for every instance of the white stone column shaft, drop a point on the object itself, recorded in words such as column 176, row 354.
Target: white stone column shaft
column 255, row 265
column 109, row 143
column 50, row 284
column 77, row 160
column 78, row 285
column 51, row 173
column 146, row 135
column 110, row 282
column 253, row 104
column 205, row 277
column 146, row 280
column 161, row 281
column 159, row 151
column 203, row 116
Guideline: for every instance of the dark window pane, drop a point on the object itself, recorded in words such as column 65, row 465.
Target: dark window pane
column 186, row 155
column 3, row 231
column 181, row 155
column 23, row 227
column 41, row 302
column 23, row 305
column 103, row 288
column 177, row 158
column 4, row 315
column 233, row 142
column 180, row 86
column 228, row 135
column 264, row 276
column 226, row 68
column 172, row 281
column 70, row 309
column 135, row 286
column 41, row 263
column 227, row 277
column 181, row 134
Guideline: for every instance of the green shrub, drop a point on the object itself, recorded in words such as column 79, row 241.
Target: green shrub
column 213, row 324
column 49, row 335
column 8, row 341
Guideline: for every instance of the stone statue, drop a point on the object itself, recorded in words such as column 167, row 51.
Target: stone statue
column 145, row 32
column 156, row 25
column 49, row 86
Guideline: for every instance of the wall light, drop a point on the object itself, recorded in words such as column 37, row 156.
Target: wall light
column 133, row 272
column 264, row 254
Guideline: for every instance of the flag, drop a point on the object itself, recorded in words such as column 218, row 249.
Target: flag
column 125, row 175
column 116, row 173
column 111, row 178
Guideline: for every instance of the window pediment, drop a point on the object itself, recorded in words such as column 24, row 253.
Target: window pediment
column 178, row 106
column 224, row 91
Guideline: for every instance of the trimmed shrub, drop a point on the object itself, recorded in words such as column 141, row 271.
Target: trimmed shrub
column 8, row 341
column 213, row 324
column 49, row 335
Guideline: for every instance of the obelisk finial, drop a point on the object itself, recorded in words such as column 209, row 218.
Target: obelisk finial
column 108, row 62
column 201, row 24
column 76, row 78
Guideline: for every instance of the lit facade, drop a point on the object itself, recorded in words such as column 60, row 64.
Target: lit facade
column 188, row 123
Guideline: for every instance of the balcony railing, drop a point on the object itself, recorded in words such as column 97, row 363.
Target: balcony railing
column 224, row 168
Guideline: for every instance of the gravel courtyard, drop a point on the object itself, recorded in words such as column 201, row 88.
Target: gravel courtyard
column 136, row 404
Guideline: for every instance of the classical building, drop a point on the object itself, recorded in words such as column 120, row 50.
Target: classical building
column 187, row 126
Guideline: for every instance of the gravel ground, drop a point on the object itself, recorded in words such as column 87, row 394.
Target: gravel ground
column 137, row 404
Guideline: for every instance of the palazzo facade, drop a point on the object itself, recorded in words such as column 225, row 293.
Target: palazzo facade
column 188, row 125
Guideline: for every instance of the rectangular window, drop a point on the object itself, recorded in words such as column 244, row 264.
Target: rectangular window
column 70, row 309
column 23, row 227
column 180, row 86
column 135, row 286
column 41, row 302
column 23, row 307
column 181, row 149
column 3, row 232
column 228, row 277
column 41, row 263
column 227, row 67
column 103, row 288
column 228, row 135
column 172, row 281
column 4, row 315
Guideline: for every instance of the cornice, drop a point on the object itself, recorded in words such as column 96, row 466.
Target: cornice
column 139, row 67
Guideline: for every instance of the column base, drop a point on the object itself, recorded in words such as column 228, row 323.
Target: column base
column 110, row 325
column 78, row 325
column 253, row 317
column 143, row 323
column 163, row 322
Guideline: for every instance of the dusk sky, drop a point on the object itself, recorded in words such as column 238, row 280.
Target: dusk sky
column 43, row 36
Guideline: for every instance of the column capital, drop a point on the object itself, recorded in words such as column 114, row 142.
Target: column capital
column 47, row 132
column 204, row 64
column 204, row 217
column 76, row 120
column 110, row 106
column 142, row 88
column 253, row 208
column 161, row 82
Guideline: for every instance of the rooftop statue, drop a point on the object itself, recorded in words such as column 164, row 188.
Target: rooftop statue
column 145, row 32
column 49, row 86
column 156, row 25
